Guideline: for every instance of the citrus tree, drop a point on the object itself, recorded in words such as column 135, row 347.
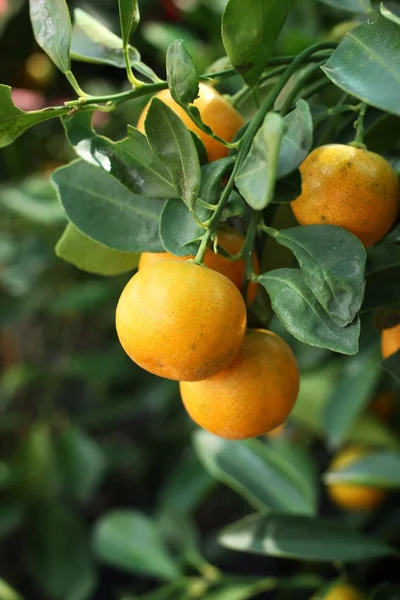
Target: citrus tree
column 263, row 226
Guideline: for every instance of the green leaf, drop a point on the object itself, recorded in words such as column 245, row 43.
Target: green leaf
column 7, row 592
column 130, row 540
column 129, row 18
column 92, row 257
column 359, row 378
column 380, row 469
column 33, row 199
column 11, row 519
column 58, row 555
column 93, row 42
column 298, row 309
column 80, row 461
column 171, row 141
column 182, row 77
column 249, row 34
column 104, row 210
column 388, row 14
column 13, row 121
column 362, row 7
column 302, row 538
column 130, row 160
column 51, row 25
column 297, row 138
column 257, row 176
column 257, row 472
column 392, row 365
column 332, row 261
column 367, row 64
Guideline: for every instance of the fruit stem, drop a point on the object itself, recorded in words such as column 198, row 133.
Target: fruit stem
column 136, row 83
column 359, row 125
column 72, row 80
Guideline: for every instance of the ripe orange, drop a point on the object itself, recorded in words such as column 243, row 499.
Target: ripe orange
column 253, row 395
column 342, row 591
column 390, row 341
column 215, row 111
column 351, row 188
column 383, row 406
column 230, row 240
column 353, row 497
column 181, row 321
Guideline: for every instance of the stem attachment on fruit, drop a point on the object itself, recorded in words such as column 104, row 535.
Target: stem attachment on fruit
column 359, row 125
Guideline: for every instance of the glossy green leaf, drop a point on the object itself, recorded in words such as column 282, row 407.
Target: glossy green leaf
column 7, row 592
column 367, row 64
column 297, row 138
column 182, row 77
column 93, row 42
column 257, row 472
column 51, row 25
column 129, row 18
column 303, row 316
column 302, row 538
column 249, row 34
column 359, row 378
column 379, row 469
column 92, row 257
column 257, row 176
column 130, row 160
column 59, row 561
column 13, row 121
column 356, row 6
column 332, row 261
column 392, row 366
column 81, row 462
column 130, row 540
column 171, row 141
column 103, row 209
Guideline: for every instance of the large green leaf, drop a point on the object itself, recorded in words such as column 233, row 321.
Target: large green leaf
column 129, row 18
column 93, row 42
column 302, row 538
column 355, row 6
column 359, row 378
column 367, row 64
column 131, row 541
column 13, row 121
column 80, row 461
column 130, row 160
column 171, row 141
column 257, row 176
column 183, row 80
column 303, row 316
column 51, row 25
column 88, row 255
column 257, row 472
column 58, row 554
column 380, row 469
column 333, row 263
column 249, row 34
column 297, row 139
column 105, row 210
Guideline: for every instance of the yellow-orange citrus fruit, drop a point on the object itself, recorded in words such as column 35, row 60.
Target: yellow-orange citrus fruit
column 215, row 111
column 230, row 240
column 181, row 321
column 353, row 497
column 252, row 396
column 383, row 406
column 351, row 188
column 390, row 341
column 342, row 591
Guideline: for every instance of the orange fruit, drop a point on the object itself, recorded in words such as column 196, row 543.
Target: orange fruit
column 342, row 591
column 351, row 188
column 383, row 406
column 252, row 396
column 353, row 497
column 230, row 240
column 180, row 320
column 390, row 341
column 215, row 111
column 277, row 432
